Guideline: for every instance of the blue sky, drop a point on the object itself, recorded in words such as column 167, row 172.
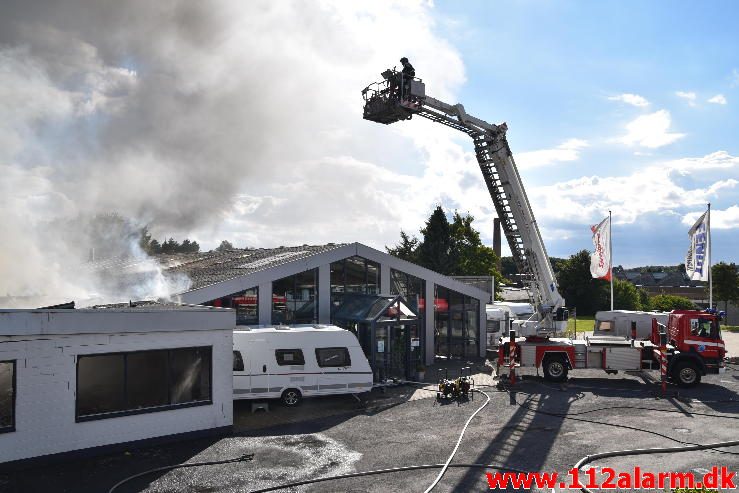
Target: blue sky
column 549, row 69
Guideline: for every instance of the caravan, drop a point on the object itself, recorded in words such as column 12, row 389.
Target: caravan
column 298, row 361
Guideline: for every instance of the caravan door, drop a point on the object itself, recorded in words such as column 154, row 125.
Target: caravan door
column 242, row 379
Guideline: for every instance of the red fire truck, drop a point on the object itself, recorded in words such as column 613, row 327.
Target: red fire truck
column 691, row 341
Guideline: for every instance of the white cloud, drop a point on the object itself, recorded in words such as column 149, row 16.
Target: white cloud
column 661, row 188
column 688, row 96
column 718, row 99
column 714, row 161
column 567, row 151
column 720, row 219
column 632, row 99
column 650, row 131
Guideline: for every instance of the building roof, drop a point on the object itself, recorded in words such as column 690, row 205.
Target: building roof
column 204, row 269
column 217, row 274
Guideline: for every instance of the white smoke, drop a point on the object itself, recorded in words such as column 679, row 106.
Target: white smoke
column 202, row 119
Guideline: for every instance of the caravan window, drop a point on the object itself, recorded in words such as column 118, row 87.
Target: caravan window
column 289, row 357
column 238, row 361
column 333, row 356
column 604, row 325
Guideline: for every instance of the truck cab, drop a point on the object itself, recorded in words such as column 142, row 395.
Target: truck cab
column 697, row 336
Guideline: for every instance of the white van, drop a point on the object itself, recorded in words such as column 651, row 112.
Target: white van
column 292, row 362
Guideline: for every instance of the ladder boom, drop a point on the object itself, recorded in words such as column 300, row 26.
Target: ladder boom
column 387, row 102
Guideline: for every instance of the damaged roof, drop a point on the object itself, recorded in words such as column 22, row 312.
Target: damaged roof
column 207, row 268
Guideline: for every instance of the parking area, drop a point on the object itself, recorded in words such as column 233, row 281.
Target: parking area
column 525, row 428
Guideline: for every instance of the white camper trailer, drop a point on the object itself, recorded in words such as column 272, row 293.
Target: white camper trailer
column 618, row 323
column 298, row 361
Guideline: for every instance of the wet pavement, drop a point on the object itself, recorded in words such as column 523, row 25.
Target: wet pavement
column 405, row 425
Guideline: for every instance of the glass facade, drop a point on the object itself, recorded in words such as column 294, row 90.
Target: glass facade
column 295, row 299
column 456, row 324
column 353, row 275
column 413, row 289
column 246, row 304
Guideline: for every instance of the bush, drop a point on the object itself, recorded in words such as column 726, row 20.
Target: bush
column 669, row 302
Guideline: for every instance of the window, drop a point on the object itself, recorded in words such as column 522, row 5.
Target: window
column 238, row 361
column 294, row 298
column 143, row 381
column 246, row 304
column 333, row 356
column 289, row 357
column 7, row 396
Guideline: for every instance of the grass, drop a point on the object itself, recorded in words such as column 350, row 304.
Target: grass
column 584, row 324
column 730, row 328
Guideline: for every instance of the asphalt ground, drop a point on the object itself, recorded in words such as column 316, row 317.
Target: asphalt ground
column 406, row 426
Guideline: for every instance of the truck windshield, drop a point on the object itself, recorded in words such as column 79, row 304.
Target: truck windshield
column 705, row 327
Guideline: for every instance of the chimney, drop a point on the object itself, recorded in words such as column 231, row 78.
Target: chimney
column 496, row 239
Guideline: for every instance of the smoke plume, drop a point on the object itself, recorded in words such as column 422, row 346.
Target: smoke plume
column 196, row 118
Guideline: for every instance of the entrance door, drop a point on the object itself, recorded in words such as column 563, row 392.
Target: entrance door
column 399, row 349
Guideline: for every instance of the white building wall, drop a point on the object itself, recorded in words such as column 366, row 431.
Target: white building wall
column 46, row 389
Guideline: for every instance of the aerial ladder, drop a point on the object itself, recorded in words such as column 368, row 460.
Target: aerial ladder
column 398, row 97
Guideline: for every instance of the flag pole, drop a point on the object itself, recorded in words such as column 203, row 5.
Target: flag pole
column 710, row 259
column 610, row 249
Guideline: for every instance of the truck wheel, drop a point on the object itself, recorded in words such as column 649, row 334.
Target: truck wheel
column 555, row 369
column 686, row 374
column 291, row 397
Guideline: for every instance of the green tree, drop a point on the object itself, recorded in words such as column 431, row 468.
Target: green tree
column 508, row 268
column 170, row 246
column 669, row 302
column 644, row 300
column 625, row 296
column 188, row 246
column 578, row 287
column 407, row 249
column 470, row 255
column 725, row 283
column 225, row 246
column 435, row 251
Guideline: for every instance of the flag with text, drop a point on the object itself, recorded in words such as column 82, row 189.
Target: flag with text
column 600, row 261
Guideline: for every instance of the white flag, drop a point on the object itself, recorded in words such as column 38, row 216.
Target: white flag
column 696, row 261
column 600, row 261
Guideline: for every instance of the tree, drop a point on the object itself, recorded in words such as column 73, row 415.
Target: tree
column 170, row 246
column 407, row 249
column 470, row 255
column 669, row 302
column 625, row 296
column 644, row 300
column 725, row 283
column 224, row 246
column 188, row 246
column 453, row 249
column 578, row 287
column 435, row 250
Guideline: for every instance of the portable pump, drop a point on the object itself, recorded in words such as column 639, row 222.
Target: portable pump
column 460, row 388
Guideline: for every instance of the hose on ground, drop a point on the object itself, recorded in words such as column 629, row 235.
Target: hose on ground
column 662, row 450
column 459, row 440
column 243, row 458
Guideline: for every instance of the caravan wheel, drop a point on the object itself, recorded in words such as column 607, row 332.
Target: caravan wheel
column 291, row 397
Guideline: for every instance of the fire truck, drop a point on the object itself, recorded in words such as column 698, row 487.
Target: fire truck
column 534, row 342
column 688, row 347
